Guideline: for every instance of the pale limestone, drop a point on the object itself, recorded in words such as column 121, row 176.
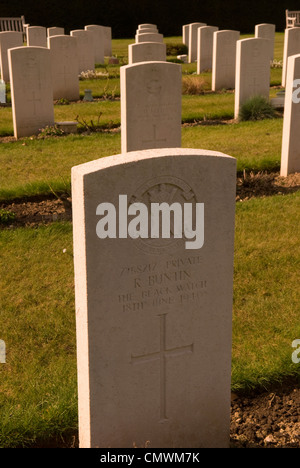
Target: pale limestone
column 31, row 89
column 55, row 31
column 290, row 152
column 85, row 49
column 107, row 36
column 252, row 71
column 266, row 31
column 193, row 34
column 149, row 38
column 147, row 52
column 224, row 59
column 185, row 34
column 36, row 36
column 150, row 106
column 64, row 66
column 205, row 48
column 147, row 26
column 147, row 31
column 8, row 40
column 154, row 319
column 291, row 47
column 98, row 41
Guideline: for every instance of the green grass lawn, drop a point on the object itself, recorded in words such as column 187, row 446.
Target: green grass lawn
column 38, row 384
column 38, row 397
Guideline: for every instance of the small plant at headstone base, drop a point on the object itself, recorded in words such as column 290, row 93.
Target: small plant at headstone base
column 62, row 102
column 50, row 131
column 193, row 85
column 257, row 108
column 88, row 126
column 176, row 49
column 6, row 217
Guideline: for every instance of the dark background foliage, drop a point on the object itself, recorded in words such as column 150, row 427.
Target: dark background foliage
column 124, row 15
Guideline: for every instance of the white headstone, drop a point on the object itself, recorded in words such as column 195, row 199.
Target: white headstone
column 36, row 36
column 291, row 47
column 185, row 34
column 149, row 38
column 147, row 52
column 252, row 71
column 266, row 31
column 107, row 35
column 2, row 92
column 64, row 65
column 2, row 352
column 224, row 59
column 98, row 41
column 8, row 40
column 150, row 105
column 31, row 89
column 55, row 32
column 290, row 152
column 85, row 48
column 193, row 28
column 146, row 31
column 205, row 48
column 147, row 26
column 154, row 318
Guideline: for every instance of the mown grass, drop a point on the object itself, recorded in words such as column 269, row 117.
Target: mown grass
column 38, row 389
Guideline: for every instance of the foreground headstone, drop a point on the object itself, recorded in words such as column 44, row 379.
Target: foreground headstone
column 290, row 152
column 153, row 317
column 266, row 31
column 55, row 31
column 224, row 59
column 150, row 106
column 291, row 47
column 85, row 49
column 193, row 34
column 149, row 37
column 98, row 41
column 252, row 71
column 8, row 40
column 36, row 36
column 64, row 66
column 147, row 52
column 205, row 48
column 31, row 89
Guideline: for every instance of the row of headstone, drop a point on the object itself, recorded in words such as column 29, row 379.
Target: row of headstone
column 157, row 373
column 148, row 46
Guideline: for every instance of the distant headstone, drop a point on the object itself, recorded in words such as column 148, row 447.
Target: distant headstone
column 2, row 92
column 107, row 35
column 64, row 65
column 98, row 41
column 8, row 40
column 193, row 28
column 252, row 71
column 147, row 26
column 2, row 352
column 150, row 105
column 153, row 317
column 266, row 31
column 224, row 59
column 85, row 48
column 36, row 36
column 290, row 153
column 31, row 89
column 147, row 52
column 55, row 31
column 205, row 48
column 185, row 34
column 146, row 31
column 149, row 38
column 291, row 47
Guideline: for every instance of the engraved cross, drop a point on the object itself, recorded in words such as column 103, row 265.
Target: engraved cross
column 162, row 356
column 34, row 100
column 154, row 140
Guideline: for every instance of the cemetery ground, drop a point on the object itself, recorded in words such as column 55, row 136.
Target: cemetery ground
column 38, row 390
